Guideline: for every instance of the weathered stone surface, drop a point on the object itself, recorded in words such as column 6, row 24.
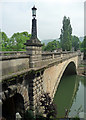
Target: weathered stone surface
column 14, row 65
column 40, row 79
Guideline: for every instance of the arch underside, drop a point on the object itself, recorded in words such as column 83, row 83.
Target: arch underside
column 17, row 102
column 12, row 105
column 68, row 69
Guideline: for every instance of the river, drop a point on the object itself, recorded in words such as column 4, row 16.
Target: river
column 70, row 96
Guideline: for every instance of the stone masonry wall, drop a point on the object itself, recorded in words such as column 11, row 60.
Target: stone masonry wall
column 14, row 65
column 35, row 90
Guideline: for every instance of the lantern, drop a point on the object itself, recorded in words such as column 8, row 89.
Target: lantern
column 34, row 11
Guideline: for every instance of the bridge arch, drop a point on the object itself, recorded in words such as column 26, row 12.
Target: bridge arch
column 54, row 72
column 24, row 92
column 12, row 105
column 16, row 100
column 69, row 68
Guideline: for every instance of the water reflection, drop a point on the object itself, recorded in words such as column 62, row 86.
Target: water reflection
column 70, row 96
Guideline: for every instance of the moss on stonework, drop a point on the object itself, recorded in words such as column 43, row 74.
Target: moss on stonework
column 19, row 77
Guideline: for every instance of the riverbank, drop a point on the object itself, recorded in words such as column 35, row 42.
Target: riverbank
column 82, row 68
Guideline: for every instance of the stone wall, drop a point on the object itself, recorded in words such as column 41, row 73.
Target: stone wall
column 13, row 64
column 35, row 90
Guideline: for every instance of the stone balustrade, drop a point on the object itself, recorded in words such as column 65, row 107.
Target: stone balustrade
column 45, row 55
column 7, row 53
column 52, row 55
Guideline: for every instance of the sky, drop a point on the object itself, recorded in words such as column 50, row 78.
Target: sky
column 16, row 16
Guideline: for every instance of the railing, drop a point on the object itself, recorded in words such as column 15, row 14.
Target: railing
column 8, row 53
column 52, row 55
column 45, row 55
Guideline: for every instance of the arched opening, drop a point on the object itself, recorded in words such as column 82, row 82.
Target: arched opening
column 13, row 105
column 66, row 91
column 70, row 69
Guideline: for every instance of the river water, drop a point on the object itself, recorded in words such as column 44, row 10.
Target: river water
column 70, row 96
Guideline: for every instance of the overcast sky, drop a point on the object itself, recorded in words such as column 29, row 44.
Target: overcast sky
column 16, row 16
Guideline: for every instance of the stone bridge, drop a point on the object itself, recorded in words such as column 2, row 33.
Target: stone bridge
column 23, row 82
column 25, row 76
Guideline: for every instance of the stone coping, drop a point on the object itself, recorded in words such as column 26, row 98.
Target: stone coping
column 13, row 57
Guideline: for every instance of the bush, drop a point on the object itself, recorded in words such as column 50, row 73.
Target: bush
column 29, row 115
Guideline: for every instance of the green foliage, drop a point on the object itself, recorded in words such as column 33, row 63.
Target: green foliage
column 80, row 46
column 29, row 115
column 51, row 46
column 43, row 47
column 4, row 41
column 84, row 47
column 15, row 43
column 65, row 37
column 49, row 106
column 40, row 117
column 75, row 43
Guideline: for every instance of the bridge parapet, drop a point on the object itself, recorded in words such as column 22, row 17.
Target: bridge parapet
column 13, row 63
column 8, row 53
column 51, row 58
column 45, row 55
column 52, row 55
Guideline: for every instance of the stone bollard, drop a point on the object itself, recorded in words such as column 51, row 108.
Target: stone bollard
column 18, row 116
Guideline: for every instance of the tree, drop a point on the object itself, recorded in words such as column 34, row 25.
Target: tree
column 51, row 46
column 18, row 39
column 43, row 47
column 49, row 107
column 15, row 43
column 75, row 42
column 84, row 46
column 4, row 41
column 65, row 36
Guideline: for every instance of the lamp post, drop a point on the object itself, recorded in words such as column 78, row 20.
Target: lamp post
column 34, row 23
column 34, row 40
column 34, row 46
column 34, row 50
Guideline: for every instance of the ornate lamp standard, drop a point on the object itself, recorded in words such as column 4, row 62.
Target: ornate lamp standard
column 34, row 50
column 34, row 23
column 33, row 46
